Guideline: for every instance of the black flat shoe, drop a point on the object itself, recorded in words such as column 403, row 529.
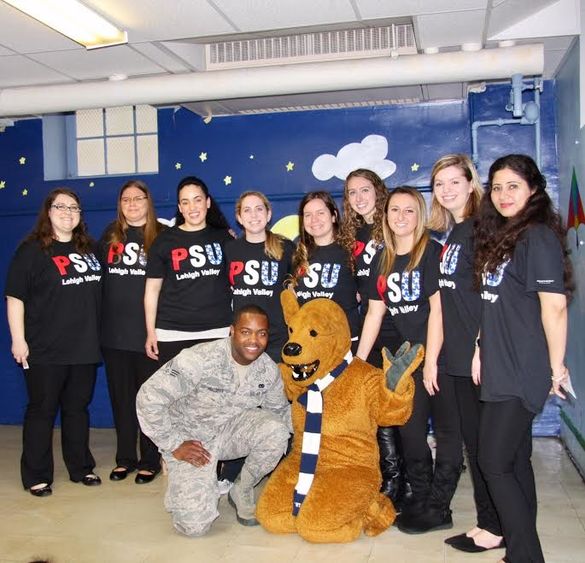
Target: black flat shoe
column 143, row 478
column 91, row 480
column 45, row 491
column 119, row 473
column 466, row 544
column 455, row 539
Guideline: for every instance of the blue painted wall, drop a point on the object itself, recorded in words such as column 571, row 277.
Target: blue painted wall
column 254, row 152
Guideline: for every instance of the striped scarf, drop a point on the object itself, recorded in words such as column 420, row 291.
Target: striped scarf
column 313, row 401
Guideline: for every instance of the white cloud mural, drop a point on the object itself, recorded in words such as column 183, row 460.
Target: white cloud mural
column 370, row 153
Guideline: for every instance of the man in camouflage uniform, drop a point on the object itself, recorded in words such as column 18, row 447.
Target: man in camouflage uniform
column 214, row 401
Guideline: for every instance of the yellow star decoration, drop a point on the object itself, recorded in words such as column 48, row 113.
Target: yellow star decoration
column 203, row 157
column 2, row 184
column 178, row 165
column 25, row 192
column 22, row 160
column 227, row 180
column 289, row 166
column 415, row 166
column 91, row 184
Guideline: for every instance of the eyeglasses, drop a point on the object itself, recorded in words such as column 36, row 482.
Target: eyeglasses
column 135, row 199
column 61, row 208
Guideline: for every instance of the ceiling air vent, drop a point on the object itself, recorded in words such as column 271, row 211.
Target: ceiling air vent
column 312, row 47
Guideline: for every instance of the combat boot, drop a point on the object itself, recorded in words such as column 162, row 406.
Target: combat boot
column 241, row 497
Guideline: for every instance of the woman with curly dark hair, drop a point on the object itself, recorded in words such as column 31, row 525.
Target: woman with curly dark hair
column 321, row 266
column 52, row 298
column 457, row 192
column 187, row 298
column 361, row 234
column 524, row 276
column 124, row 248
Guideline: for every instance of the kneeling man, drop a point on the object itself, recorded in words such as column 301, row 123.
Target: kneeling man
column 218, row 400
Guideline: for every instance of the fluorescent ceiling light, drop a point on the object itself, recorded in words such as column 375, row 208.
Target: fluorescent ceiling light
column 73, row 19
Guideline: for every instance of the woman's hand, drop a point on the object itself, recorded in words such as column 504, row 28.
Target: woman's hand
column 430, row 378
column 560, row 376
column 476, row 367
column 20, row 352
column 151, row 346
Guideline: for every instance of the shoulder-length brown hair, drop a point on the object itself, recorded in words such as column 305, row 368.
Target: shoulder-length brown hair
column 421, row 234
column 440, row 219
column 351, row 220
column 120, row 226
column 274, row 244
column 43, row 232
column 306, row 244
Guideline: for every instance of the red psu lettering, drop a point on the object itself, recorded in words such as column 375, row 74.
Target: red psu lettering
column 177, row 256
column 235, row 269
column 115, row 253
column 61, row 262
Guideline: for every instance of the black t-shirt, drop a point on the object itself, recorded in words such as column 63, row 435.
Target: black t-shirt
column 330, row 276
column 364, row 254
column 195, row 295
column 124, row 271
column 406, row 294
column 61, row 292
column 258, row 279
column 461, row 304
column 514, row 353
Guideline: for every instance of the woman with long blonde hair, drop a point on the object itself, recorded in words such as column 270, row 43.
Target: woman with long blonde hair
column 406, row 284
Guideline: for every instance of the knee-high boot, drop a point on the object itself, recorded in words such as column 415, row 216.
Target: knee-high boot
column 437, row 513
column 391, row 465
column 420, row 476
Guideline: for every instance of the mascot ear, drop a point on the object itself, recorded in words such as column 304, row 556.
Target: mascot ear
column 290, row 305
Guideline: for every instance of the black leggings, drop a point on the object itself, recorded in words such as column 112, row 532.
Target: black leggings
column 469, row 406
column 505, row 448
column 441, row 407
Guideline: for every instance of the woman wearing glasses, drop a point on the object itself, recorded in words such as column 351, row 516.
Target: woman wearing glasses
column 124, row 249
column 52, row 297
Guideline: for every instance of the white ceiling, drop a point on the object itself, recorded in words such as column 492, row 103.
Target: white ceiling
column 166, row 37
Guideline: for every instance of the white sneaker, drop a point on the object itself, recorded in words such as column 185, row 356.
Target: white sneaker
column 224, row 486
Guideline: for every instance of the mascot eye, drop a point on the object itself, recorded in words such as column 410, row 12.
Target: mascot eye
column 290, row 330
column 313, row 333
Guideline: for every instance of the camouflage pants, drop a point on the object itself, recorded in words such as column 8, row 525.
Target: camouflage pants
column 192, row 494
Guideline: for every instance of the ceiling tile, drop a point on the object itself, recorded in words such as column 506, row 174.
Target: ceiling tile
column 161, row 56
column 253, row 15
column 99, row 63
column 443, row 30
column 371, row 9
column 18, row 70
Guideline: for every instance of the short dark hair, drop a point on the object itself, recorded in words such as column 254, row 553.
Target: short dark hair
column 252, row 309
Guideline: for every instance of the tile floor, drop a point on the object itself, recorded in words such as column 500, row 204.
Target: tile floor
column 124, row 522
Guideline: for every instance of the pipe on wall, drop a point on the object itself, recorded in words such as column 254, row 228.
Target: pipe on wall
column 461, row 66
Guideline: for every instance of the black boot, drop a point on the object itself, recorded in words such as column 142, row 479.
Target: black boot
column 437, row 513
column 420, row 475
column 391, row 465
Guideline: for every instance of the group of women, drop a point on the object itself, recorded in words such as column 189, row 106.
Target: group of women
column 489, row 306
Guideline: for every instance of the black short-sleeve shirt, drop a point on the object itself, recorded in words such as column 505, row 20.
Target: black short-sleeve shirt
column 195, row 295
column 258, row 279
column 61, row 292
column 514, row 355
column 124, row 276
column 330, row 276
column 461, row 304
column 406, row 294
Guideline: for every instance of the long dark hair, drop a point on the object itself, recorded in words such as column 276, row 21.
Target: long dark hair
column 215, row 217
column 352, row 221
column 496, row 236
column 43, row 230
column 120, row 226
column 306, row 244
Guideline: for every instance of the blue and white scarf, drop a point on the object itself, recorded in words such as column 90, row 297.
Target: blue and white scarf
column 313, row 401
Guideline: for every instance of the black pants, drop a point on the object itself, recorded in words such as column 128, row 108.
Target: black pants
column 49, row 388
column 469, row 406
column 126, row 371
column 505, row 448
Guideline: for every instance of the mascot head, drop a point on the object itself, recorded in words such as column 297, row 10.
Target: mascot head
column 318, row 337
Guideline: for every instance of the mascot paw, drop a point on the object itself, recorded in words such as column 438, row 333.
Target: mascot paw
column 404, row 362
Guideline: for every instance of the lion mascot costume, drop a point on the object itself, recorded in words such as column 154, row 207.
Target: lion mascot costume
column 327, row 488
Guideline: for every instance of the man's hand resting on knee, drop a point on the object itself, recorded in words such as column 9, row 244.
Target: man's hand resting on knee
column 193, row 452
